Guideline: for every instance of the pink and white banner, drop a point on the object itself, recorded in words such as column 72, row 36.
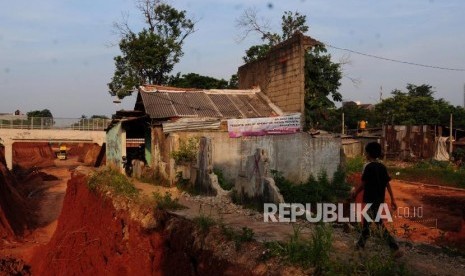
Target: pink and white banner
column 264, row 126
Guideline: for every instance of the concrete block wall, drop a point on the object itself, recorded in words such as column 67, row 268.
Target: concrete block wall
column 280, row 75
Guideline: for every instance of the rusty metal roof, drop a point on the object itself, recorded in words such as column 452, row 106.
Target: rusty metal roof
column 162, row 103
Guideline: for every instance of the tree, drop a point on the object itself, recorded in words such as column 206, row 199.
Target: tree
column 45, row 113
column 149, row 55
column 322, row 76
column 194, row 80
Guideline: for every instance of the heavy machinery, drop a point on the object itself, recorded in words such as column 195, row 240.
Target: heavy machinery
column 62, row 154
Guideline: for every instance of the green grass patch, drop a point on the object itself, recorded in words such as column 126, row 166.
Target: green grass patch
column 204, row 222
column 312, row 252
column 113, row 180
column 166, row 202
column 354, row 165
column 431, row 172
column 238, row 236
column 315, row 190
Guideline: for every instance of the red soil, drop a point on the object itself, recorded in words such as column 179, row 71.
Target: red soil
column 14, row 213
column 27, row 155
column 93, row 238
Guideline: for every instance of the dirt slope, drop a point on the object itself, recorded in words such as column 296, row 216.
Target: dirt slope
column 28, row 155
column 13, row 210
column 94, row 238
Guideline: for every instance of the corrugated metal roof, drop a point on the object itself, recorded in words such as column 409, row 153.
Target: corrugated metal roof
column 169, row 103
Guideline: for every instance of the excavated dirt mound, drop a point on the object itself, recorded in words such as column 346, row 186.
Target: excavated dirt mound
column 93, row 238
column 14, row 213
column 28, row 155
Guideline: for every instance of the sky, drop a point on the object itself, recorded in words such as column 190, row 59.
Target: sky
column 57, row 54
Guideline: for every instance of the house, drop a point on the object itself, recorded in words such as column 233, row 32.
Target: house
column 240, row 131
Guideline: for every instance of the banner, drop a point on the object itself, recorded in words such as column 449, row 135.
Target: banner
column 264, row 126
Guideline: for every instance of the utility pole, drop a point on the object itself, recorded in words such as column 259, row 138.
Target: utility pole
column 450, row 137
column 343, row 130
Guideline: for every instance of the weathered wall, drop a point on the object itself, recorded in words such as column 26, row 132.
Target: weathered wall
column 409, row 141
column 116, row 145
column 280, row 74
column 297, row 156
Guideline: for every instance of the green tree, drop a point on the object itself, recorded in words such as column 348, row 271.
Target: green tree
column 150, row 55
column 44, row 113
column 194, row 80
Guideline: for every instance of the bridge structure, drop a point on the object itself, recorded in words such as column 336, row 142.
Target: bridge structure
column 52, row 130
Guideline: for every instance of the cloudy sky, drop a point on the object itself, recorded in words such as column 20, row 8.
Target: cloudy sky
column 55, row 54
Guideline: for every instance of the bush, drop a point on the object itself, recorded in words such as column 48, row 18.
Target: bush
column 187, row 152
column 166, row 202
column 109, row 178
column 314, row 190
column 245, row 235
column 307, row 253
column 204, row 222
column 355, row 165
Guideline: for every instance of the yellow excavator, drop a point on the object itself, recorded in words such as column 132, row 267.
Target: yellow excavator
column 62, row 154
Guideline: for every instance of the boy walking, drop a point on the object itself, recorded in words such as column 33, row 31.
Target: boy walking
column 375, row 181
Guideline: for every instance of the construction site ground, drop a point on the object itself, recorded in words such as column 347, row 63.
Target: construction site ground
column 420, row 245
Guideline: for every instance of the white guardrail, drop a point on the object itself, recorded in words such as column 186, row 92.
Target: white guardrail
column 84, row 124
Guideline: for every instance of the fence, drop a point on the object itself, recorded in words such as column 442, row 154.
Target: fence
column 56, row 123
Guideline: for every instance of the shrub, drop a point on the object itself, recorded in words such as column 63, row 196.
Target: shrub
column 354, row 165
column 204, row 222
column 313, row 252
column 187, row 152
column 166, row 202
column 109, row 178
column 245, row 235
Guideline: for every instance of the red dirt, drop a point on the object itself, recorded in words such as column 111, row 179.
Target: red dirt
column 13, row 208
column 27, row 155
column 444, row 206
column 93, row 238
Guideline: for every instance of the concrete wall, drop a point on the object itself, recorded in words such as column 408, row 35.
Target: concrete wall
column 280, row 75
column 297, row 156
column 116, row 146
column 9, row 136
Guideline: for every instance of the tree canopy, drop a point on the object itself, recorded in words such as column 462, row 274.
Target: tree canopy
column 45, row 113
column 194, row 80
column 148, row 56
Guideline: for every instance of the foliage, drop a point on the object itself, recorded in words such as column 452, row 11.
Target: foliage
column 166, row 202
column 109, row 178
column 322, row 79
column 314, row 190
column 313, row 252
column 193, row 80
column 431, row 172
column 373, row 265
column 204, row 222
column 149, row 55
column 354, row 165
column 224, row 183
column 187, row 152
column 238, row 237
column 45, row 113
column 256, row 52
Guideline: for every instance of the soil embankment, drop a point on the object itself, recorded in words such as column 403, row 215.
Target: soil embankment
column 27, row 155
column 95, row 238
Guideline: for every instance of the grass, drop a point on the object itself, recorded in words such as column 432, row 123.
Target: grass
column 315, row 190
column 238, row 237
column 313, row 252
column 204, row 222
column 166, row 202
column 354, row 165
column 113, row 180
column 431, row 172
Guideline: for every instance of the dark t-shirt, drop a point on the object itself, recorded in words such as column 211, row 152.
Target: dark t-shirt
column 376, row 178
